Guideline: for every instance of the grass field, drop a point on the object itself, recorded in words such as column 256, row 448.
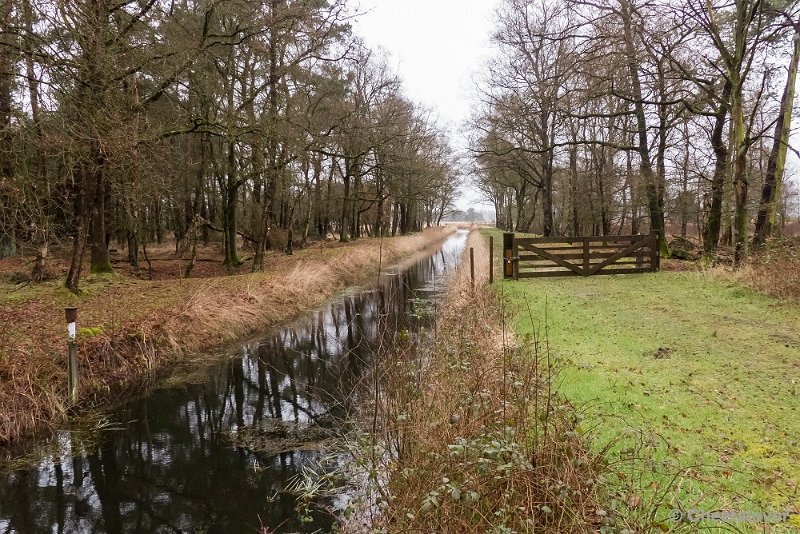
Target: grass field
column 691, row 382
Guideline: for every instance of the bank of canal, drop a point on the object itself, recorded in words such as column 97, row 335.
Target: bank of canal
column 214, row 454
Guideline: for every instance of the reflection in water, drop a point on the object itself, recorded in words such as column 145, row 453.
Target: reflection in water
column 173, row 469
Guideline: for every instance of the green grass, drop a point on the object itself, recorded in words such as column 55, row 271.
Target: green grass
column 678, row 369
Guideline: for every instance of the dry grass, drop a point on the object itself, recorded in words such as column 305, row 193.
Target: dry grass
column 139, row 327
column 217, row 312
column 774, row 270
column 472, row 437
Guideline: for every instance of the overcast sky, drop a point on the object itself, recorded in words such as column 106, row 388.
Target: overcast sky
column 438, row 47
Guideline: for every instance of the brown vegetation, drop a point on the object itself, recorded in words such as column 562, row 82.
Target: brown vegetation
column 774, row 270
column 129, row 328
column 477, row 439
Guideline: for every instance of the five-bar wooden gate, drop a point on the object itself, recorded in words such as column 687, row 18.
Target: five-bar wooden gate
column 535, row 257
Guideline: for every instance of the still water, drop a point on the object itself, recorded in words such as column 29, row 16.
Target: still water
column 183, row 458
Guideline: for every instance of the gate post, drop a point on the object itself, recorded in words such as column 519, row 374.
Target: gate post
column 515, row 257
column 655, row 257
column 508, row 254
column 586, row 262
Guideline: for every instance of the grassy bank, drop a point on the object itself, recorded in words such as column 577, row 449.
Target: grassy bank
column 470, row 437
column 129, row 329
column 691, row 381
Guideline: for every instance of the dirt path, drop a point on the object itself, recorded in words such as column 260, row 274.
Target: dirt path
column 129, row 328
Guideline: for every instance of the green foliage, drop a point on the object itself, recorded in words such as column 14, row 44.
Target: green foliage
column 90, row 331
column 688, row 383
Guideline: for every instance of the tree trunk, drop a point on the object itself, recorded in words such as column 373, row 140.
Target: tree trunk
column 99, row 259
column 7, row 223
column 42, row 233
column 229, row 228
column 740, row 145
column 573, row 189
column 345, row 215
column 79, row 237
column 684, row 205
column 547, row 173
column 654, row 190
column 230, row 205
column 771, row 192
column 720, row 147
column 6, row 81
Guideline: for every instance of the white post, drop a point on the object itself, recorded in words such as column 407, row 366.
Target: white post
column 71, row 314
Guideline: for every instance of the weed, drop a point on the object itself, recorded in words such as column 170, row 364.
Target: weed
column 774, row 270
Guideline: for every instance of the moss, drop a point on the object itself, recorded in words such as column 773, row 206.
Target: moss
column 90, row 331
column 11, row 294
column 102, row 267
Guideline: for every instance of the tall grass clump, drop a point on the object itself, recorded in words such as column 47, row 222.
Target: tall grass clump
column 478, row 439
column 775, row 270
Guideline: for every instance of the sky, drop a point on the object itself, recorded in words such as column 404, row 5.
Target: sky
column 438, row 48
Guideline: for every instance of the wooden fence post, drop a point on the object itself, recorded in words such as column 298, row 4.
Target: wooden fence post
column 491, row 259
column 508, row 253
column 472, row 267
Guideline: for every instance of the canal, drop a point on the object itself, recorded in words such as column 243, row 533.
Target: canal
column 213, row 448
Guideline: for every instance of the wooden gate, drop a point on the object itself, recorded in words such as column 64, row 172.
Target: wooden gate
column 535, row 257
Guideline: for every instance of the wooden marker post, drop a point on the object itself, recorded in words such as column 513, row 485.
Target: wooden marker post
column 472, row 266
column 491, row 259
column 71, row 314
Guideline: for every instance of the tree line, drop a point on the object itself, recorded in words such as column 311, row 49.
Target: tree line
column 257, row 123
column 611, row 116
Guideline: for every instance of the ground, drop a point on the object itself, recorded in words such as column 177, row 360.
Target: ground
column 130, row 326
column 691, row 381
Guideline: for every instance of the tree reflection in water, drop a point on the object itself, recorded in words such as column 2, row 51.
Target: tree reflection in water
column 171, row 469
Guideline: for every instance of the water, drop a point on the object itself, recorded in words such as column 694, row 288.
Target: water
column 214, row 454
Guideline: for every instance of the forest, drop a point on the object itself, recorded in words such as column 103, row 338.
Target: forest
column 617, row 116
column 257, row 124
column 286, row 305
column 263, row 124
